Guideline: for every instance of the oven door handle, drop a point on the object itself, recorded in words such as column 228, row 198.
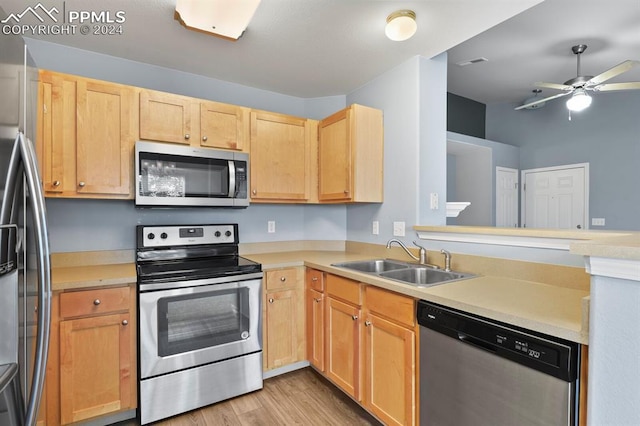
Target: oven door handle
column 176, row 288
column 232, row 178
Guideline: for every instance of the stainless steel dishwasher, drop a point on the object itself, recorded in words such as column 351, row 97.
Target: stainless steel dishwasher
column 476, row 371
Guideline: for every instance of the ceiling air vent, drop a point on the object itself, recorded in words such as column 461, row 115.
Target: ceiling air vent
column 471, row 61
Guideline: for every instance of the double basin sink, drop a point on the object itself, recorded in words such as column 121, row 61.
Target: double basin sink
column 404, row 272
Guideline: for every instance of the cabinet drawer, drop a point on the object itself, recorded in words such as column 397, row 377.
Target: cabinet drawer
column 394, row 306
column 344, row 288
column 315, row 279
column 281, row 278
column 92, row 302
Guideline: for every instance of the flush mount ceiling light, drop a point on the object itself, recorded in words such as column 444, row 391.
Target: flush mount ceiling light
column 579, row 101
column 401, row 25
column 223, row 18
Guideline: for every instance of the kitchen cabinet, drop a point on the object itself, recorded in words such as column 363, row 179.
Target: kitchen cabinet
column 184, row 120
column 86, row 134
column 91, row 371
column 343, row 333
column 350, row 156
column 370, row 346
column 282, row 158
column 315, row 309
column 283, row 318
column 390, row 356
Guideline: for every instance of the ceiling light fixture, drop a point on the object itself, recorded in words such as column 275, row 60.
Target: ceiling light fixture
column 579, row 101
column 401, row 25
column 222, row 18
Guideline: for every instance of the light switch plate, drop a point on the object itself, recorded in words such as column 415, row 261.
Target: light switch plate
column 597, row 221
column 375, row 227
column 398, row 229
column 434, row 201
column 271, row 226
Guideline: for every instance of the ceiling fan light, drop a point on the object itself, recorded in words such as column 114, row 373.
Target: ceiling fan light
column 401, row 25
column 579, row 101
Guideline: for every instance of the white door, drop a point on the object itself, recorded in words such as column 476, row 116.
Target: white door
column 506, row 197
column 556, row 197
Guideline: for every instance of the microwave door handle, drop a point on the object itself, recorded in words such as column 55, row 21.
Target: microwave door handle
column 232, row 178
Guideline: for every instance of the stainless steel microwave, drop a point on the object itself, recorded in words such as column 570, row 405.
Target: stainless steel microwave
column 170, row 175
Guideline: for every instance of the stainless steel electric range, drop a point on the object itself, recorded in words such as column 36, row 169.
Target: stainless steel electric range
column 200, row 330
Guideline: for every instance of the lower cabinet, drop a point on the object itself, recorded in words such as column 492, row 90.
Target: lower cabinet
column 283, row 318
column 92, row 360
column 370, row 345
column 315, row 304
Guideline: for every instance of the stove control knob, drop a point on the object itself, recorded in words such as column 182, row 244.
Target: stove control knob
column 228, row 233
column 151, row 235
column 217, row 234
column 164, row 235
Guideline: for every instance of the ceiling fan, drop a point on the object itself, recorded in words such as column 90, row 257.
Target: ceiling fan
column 581, row 84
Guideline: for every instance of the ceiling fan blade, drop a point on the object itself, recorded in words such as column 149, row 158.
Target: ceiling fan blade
column 553, row 86
column 618, row 86
column 612, row 72
column 559, row 95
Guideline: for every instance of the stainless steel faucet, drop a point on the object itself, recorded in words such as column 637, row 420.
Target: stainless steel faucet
column 447, row 260
column 422, row 259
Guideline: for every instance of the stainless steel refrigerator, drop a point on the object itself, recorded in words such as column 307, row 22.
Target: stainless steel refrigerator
column 25, row 272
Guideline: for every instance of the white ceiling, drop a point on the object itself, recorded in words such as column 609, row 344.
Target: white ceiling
column 314, row 48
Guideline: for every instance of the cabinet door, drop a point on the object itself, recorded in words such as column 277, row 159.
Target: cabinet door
column 343, row 346
column 223, row 125
column 315, row 328
column 334, row 158
column 105, row 138
column 280, row 157
column 165, row 117
column 282, row 322
column 95, row 367
column 390, row 371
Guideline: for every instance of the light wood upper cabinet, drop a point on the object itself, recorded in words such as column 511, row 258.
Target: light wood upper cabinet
column 180, row 119
column 166, row 117
column 87, row 130
column 281, row 157
column 350, row 156
column 283, row 313
column 91, row 370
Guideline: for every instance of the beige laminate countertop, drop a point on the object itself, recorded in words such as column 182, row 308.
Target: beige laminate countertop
column 558, row 311
column 549, row 309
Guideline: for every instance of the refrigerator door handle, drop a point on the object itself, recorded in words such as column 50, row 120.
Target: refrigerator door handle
column 36, row 201
column 14, row 175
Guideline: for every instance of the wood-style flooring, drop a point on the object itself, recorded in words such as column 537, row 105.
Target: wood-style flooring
column 301, row 397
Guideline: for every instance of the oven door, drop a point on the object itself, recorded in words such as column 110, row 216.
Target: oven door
column 187, row 327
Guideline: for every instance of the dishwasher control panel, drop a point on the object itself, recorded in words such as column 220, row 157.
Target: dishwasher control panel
column 545, row 353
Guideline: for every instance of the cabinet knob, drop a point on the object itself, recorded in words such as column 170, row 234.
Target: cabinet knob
column 125, row 322
column 187, row 136
column 204, row 138
column 81, row 184
column 317, row 300
column 96, row 302
column 354, row 317
column 271, row 300
column 367, row 323
column 314, row 279
column 283, row 279
column 56, row 183
column 346, row 192
column 254, row 192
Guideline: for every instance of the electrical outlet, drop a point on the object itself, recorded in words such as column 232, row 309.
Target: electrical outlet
column 434, row 201
column 597, row 221
column 375, row 227
column 271, row 226
column 398, row 229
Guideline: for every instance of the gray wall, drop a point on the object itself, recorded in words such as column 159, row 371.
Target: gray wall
column 465, row 116
column 606, row 135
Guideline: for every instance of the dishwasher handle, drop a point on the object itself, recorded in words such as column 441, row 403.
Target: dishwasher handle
column 479, row 343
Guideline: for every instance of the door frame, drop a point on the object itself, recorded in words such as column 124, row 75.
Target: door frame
column 506, row 169
column 523, row 180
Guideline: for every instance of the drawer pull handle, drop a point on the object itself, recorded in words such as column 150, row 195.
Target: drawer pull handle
column 367, row 323
column 283, row 279
column 125, row 322
column 271, row 300
column 96, row 302
column 354, row 317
